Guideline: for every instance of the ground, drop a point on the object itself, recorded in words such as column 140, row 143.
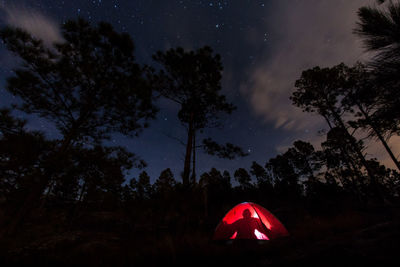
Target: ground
column 362, row 237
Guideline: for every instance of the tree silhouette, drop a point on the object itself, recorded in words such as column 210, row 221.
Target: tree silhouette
column 379, row 29
column 100, row 170
column 215, row 181
column 82, row 175
column 193, row 80
column 227, row 177
column 21, row 154
column 304, row 159
column 142, row 187
column 89, row 86
column 286, row 180
column 360, row 92
column 165, row 184
column 318, row 91
column 228, row 151
column 341, row 162
column 215, row 186
column 243, row 178
column 264, row 180
column 261, row 174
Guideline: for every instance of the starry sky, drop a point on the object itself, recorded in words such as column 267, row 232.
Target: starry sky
column 264, row 45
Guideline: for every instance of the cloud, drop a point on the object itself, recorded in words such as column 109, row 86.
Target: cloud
column 303, row 34
column 34, row 22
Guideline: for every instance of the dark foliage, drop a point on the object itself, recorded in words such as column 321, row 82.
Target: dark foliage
column 228, row 151
column 379, row 29
column 89, row 85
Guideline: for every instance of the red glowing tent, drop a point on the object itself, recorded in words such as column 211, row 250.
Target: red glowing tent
column 249, row 221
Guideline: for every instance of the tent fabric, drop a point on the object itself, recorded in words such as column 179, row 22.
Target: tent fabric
column 249, row 221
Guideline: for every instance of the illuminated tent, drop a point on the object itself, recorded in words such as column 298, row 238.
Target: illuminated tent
column 249, row 221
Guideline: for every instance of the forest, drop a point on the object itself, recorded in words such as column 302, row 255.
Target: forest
column 68, row 200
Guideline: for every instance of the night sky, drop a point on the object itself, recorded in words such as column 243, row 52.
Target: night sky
column 264, row 47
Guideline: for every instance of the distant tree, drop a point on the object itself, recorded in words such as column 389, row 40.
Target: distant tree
column 9, row 124
column 165, row 184
column 341, row 162
column 286, row 180
column 305, row 160
column 296, row 167
column 392, row 183
column 127, row 194
column 87, row 174
column 89, row 86
column 227, row 151
column 193, row 81
column 260, row 173
column 142, row 187
column 215, row 181
column 387, row 178
column 215, row 186
column 227, row 178
column 264, row 180
column 21, row 154
column 101, row 170
column 243, row 178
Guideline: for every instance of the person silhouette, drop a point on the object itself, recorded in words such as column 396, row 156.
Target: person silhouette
column 247, row 227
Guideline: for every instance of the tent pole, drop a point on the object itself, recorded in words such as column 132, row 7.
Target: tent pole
column 266, row 229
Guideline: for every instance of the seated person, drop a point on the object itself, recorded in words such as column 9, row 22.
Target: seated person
column 246, row 228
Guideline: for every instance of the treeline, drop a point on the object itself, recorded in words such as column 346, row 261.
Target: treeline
column 90, row 87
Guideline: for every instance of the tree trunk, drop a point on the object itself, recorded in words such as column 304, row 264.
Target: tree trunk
column 379, row 135
column 78, row 206
column 82, row 192
column 46, row 197
column 349, row 161
column 205, row 196
column 374, row 182
column 193, row 179
column 189, row 146
column 350, row 164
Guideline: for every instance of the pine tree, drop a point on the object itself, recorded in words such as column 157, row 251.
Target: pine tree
column 192, row 79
